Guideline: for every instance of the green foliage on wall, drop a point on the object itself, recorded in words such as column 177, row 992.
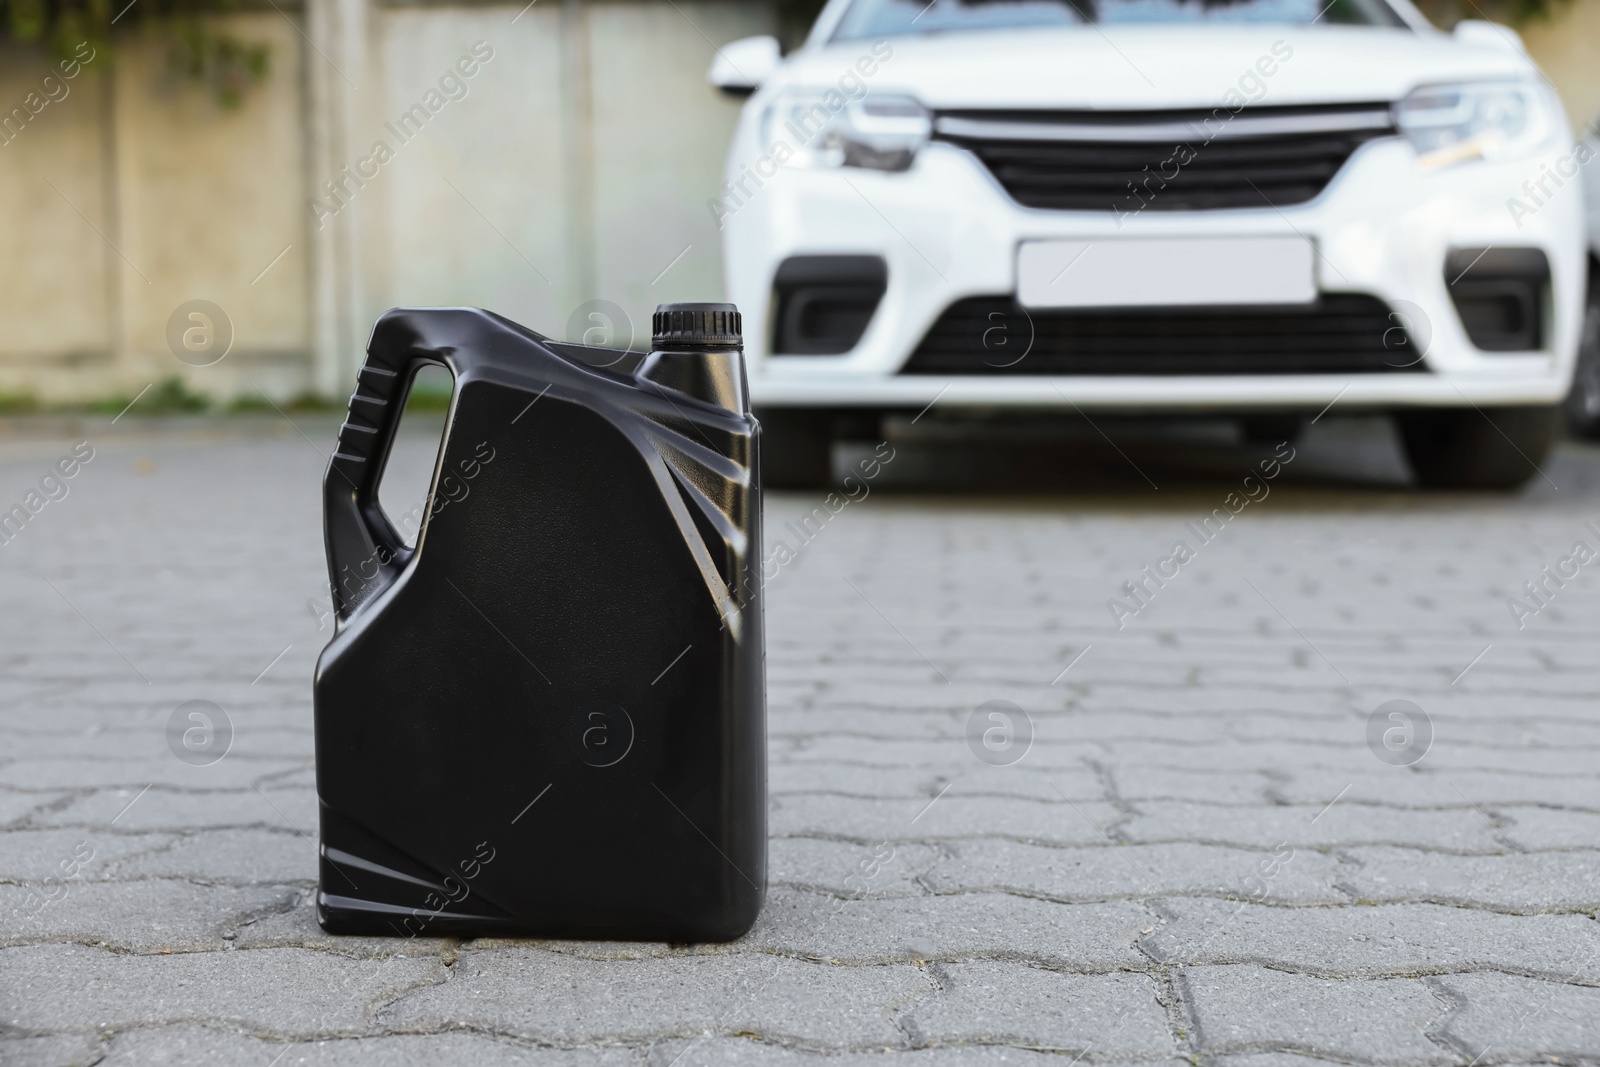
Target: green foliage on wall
column 197, row 50
column 221, row 61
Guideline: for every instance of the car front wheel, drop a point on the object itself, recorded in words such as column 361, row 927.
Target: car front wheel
column 796, row 447
column 1477, row 448
column 1583, row 403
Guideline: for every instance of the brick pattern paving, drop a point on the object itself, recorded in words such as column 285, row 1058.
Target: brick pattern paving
column 1199, row 857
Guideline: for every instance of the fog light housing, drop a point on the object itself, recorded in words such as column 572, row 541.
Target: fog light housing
column 823, row 304
column 1500, row 294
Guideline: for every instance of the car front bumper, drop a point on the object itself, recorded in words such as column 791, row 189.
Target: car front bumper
column 947, row 230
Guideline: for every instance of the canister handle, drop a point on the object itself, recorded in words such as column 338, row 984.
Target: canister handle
column 366, row 554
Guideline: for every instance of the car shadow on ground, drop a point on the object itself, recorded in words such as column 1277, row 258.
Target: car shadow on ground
column 1157, row 459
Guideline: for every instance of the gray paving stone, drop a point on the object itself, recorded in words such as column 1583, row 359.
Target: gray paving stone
column 1097, row 873
column 1118, row 1016
column 35, row 855
column 161, row 809
column 1351, row 756
column 278, row 857
column 1210, row 728
column 1213, row 700
column 1136, row 784
column 109, row 736
column 303, row 778
column 1310, row 827
column 1055, row 725
column 15, row 691
column 867, row 724
column 729, row 1052
column 1391, row 939
column 842, row 867
column 549, row 997
column 282, row 992
column 1529, row 827
column 924, row 690
column 15, row 807
column 1446, row 757
column 197, row 1045
column 1252, row 1009
column 949, row 816
column 1269, row 1059
column 1516, row 881
column 1184, row 733
column 1442, row 789
column 54, row 1050
column 960, row 926
column 1504, row 1018
column 94, row 709
column 295, row 926
column 968, row 778
column 141, row 916
column 1454, row 728
column 934, row 754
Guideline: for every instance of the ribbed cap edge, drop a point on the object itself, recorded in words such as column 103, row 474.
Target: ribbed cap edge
column 697, row 326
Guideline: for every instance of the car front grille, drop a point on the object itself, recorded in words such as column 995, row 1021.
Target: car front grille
column 1339, row 334
column 1132, row 161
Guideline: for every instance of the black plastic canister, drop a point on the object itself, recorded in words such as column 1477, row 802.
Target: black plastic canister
column 548, row 718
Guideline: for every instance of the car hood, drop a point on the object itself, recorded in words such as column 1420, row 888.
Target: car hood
column 1156, row 66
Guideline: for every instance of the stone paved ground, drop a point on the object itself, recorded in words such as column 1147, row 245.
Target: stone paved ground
column 1198, row 858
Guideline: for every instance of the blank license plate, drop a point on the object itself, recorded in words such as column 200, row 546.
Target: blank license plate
column 1166, row 272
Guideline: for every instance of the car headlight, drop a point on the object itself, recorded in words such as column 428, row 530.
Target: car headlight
column 1486, row 120
column 880, row 131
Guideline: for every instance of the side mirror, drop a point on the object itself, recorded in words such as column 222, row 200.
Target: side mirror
column 742, row 66
column 1478, row 31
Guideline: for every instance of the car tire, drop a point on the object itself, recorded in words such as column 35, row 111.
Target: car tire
column 796, row 448
column 1473, row 448
column 1583, row 402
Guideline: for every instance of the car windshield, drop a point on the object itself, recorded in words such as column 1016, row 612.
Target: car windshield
column 889, row 18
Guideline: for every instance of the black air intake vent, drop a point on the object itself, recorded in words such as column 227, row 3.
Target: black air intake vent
column 1340, row 334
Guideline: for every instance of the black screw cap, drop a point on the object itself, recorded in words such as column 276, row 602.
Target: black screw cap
column 697, row 326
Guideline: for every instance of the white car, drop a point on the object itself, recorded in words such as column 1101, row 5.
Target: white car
column 1254, row 208
column 1583, row 403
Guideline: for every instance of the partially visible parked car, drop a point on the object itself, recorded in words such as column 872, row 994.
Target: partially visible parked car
column 1251, row 208
column 1583, row 403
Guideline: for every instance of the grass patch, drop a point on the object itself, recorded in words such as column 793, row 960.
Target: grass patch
column 18, row 403
column 171, row 396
